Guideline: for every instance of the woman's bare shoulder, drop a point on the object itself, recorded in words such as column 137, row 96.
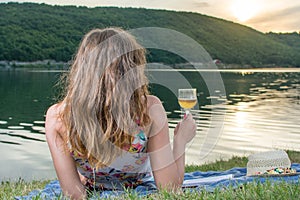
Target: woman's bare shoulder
column 155, row 107
column 153, row 100
column 53, row 117
column 54, row 110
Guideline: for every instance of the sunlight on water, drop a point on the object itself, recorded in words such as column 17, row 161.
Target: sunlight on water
column 266, row 118
column 26, row 124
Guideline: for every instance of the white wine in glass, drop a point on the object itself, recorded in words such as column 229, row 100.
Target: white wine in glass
column 187, row 99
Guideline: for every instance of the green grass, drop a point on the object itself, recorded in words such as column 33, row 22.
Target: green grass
column 219, row 165
column 10, row 189
column 267, row 190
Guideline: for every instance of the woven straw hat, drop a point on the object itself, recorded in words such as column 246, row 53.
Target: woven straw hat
column 261, row 162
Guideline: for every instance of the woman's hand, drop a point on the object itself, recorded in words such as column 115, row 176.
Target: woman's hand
column 185, row 130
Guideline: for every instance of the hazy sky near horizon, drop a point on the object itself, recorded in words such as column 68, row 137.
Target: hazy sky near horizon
column 262, row 15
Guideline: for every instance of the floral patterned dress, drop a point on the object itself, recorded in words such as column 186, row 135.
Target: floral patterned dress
column 129, row 170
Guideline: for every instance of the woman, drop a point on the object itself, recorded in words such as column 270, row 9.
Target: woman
column 108, row 133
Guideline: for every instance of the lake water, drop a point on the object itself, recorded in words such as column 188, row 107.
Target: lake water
column 258, row 111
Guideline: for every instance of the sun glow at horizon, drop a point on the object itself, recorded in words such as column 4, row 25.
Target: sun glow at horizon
column 244, row 10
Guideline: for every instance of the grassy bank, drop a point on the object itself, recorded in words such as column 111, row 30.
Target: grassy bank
column 283, row 190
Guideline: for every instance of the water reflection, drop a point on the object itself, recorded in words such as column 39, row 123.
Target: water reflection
column 261, row 113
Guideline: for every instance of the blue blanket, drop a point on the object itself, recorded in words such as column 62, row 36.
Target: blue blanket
column 196, row 180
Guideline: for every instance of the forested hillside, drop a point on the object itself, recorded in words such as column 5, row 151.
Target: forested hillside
column 31, row 32
column 291, row 39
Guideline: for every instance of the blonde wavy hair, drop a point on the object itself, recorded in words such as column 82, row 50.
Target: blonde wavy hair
column 105, row 95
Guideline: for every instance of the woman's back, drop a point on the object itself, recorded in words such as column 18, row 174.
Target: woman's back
column 130, row 169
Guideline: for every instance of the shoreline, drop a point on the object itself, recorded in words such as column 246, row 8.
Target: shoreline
column 60, row 65
column 237, row 70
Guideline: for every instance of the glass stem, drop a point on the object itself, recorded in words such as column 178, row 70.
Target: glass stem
column 187, row 111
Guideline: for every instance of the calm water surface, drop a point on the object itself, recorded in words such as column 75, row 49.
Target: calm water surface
column 260, row 111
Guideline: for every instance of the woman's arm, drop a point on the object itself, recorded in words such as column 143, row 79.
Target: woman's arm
column 167, row 164
column 183, row 133
column 63, row 162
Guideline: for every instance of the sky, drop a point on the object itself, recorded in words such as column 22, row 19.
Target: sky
column 262, row 15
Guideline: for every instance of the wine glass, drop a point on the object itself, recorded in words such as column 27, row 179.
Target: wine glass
column 187, row 99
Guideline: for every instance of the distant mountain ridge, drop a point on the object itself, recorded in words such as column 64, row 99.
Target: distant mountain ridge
column 31, row 32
